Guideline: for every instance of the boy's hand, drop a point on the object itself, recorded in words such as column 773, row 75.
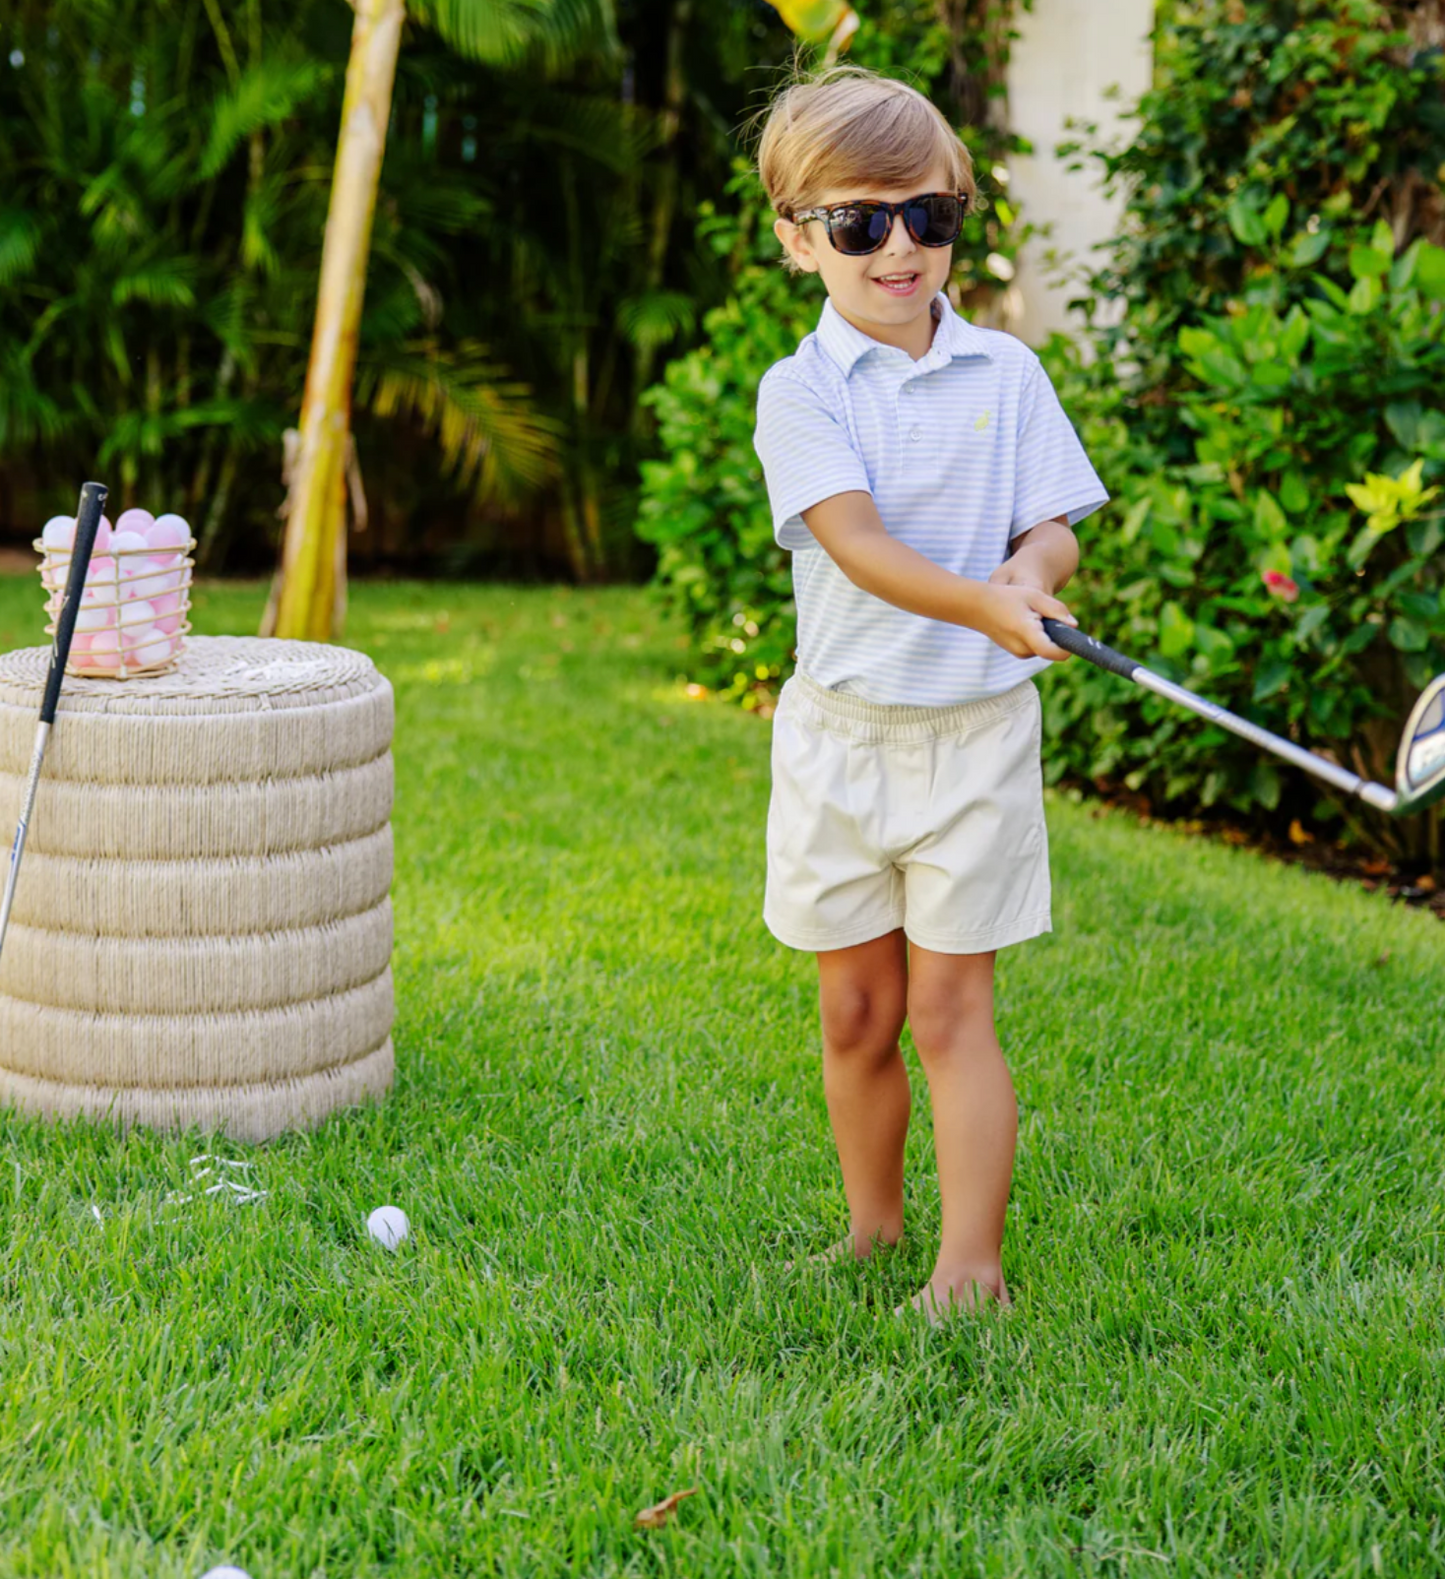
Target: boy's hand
column 1021, row 571
column 1011, row 614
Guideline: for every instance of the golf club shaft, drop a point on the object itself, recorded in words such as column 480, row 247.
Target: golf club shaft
column 87, row 524
column 1096, row 652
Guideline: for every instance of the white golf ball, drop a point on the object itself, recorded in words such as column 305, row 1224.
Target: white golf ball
column 59, row 532
column 226, row 1571
column 388, row 1226
column 135, row 615
column 130, row 549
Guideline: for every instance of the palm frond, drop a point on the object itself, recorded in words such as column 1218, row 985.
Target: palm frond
column 266, row 93
column 552, row 33
column 491, row 437
column 495, row 32
column 259, row 215
column 19, row 243
column 249, row 425
column 650, row 320
column 163, row 282
column 29, row 414
column 617, row 136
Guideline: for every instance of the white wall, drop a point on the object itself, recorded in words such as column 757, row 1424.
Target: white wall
column 1068, row 54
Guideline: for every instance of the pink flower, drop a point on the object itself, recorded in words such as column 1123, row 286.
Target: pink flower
column 1280, row 585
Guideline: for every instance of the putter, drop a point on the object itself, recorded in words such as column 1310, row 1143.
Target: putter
column 87, row 524
column 1419, row 764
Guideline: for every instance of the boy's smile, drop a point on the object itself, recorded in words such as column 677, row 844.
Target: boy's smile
column 886, row 294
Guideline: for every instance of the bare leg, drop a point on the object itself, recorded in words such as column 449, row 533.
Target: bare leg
column 975, row 1123
column 863, row 993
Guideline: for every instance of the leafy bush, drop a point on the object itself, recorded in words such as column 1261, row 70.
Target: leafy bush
column 1260, row 569
column 704, row 506
column 1267, row 411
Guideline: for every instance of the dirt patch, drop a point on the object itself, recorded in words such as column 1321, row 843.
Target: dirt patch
column 18, row 562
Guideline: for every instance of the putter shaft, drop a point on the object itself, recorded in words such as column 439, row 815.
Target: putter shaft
column 27, row 805
column 1105, row 657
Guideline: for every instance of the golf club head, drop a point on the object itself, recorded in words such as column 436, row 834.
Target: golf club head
column 1420, row 767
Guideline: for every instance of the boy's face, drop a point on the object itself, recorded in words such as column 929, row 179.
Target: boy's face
column 887, row 294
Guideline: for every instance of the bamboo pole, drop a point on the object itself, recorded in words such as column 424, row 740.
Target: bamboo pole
column 311, row 589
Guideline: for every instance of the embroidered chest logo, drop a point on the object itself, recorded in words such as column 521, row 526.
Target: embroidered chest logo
column 982, row 422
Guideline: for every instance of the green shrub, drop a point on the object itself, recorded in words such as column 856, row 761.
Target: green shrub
column 704, row 506
column 1279, row 342
column 1261, row 569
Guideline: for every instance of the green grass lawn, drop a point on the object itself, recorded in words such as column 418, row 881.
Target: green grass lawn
column 1225, row 1244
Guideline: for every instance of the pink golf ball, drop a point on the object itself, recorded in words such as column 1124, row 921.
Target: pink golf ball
column 169, row 531
column 95, row 651
column 138, row 521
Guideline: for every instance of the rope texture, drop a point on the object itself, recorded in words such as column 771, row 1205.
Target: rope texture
column 202, row 931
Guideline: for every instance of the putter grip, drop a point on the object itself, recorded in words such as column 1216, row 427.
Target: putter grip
column 87, row 524
column 1083, row 646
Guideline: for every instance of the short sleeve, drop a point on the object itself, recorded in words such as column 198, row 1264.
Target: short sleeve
column 806, row 454
column 1053, row 475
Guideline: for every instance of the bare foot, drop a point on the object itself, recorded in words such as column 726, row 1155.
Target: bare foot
column 845, row 1248
column 943, row 1297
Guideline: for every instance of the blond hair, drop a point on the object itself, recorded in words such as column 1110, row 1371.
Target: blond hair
column 846, row 126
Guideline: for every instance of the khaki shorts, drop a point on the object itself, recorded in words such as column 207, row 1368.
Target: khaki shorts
column 925, row 818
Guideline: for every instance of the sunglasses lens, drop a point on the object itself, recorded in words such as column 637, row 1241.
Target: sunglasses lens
column 935, row 220
column 858, row 228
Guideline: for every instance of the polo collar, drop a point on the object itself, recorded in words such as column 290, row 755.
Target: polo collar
column 954, row 336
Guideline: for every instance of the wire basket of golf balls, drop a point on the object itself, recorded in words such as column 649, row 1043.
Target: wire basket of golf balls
column 133, row 614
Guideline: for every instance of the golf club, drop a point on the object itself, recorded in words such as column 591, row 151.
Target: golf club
column 87, row 524
column 1419, row 764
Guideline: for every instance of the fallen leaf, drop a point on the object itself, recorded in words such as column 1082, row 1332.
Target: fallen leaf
column 659, row 1513
column 1299, row 834
column 1425, row 884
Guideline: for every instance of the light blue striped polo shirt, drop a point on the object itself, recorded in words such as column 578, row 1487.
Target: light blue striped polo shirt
column 962, row 451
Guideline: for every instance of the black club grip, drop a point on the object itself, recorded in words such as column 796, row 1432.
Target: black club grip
column 1083, row 646
column 87, row 524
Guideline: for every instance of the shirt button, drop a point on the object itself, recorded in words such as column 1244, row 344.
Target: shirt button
column 916, row 435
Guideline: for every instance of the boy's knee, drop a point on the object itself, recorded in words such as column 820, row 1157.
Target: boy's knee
column 862, row 1021
column 944, row 1024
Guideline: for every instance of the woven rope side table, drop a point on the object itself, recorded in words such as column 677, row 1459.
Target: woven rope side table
column 202, row 927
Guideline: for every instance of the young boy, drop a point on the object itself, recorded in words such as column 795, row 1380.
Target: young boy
column 925, row 478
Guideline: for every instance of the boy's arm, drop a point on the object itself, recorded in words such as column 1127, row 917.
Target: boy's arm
column 1046, row 557
column 853, row 535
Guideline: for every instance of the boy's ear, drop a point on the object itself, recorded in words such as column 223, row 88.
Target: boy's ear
column 795, row 244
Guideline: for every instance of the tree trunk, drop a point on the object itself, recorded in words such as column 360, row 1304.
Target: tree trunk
column 310, row 591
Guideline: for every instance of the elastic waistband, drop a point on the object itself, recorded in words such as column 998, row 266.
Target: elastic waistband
column 897, row 721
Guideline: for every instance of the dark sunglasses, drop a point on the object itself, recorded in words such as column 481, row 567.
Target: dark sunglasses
column 934, row 220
